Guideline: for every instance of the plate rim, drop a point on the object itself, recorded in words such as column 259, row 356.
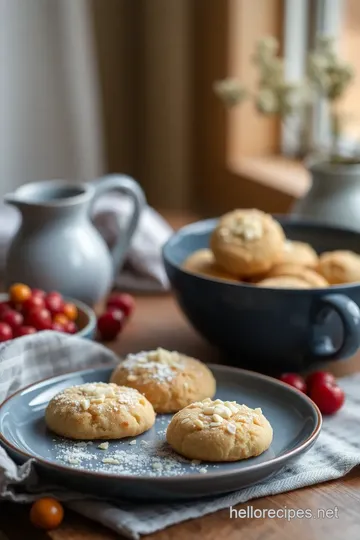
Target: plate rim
column 279, row 460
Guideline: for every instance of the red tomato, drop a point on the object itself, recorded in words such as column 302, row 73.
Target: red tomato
column 4, row 306
column 34, row 302
column 54, row 302
column 38, row 292
column 46, row 513
column 70, row 327
column 39, row 318
column 122, row 301
column 318, row 377
column 13, row 318
column 57, row 327
column 6, row 332
column 295, row 380
column 110, row 324
column 25, row 331
column 328, row 397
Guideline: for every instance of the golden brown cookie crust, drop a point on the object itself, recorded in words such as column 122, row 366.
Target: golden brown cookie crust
column 340, row 266
column 299, row 253
column 202, row 263
column 306, row 274
column 99, row 411
column 219, row 431
column 247, row 242
column 169, row 380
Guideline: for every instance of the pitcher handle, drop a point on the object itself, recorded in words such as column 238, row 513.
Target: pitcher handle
column 128, row 186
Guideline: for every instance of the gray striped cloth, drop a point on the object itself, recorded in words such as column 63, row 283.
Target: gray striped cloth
column 47, row 354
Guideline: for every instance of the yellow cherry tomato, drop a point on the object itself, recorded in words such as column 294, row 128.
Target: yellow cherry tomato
column 19, row 293
column 46, row 513
column 70, row 310
column 61, row 319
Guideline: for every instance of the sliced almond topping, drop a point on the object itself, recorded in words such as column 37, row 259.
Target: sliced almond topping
column 98, row 400
column 198, row 423
column 185, row 421
column 258, row 410
column 209, row 410
column 223, row 411
column 103, row 446
column 85, row 404
column 231, row 428
column 217, row 418
column 215, row 424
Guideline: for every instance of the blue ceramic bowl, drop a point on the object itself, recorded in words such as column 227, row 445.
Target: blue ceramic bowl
column 86, row 321
column 269, row 329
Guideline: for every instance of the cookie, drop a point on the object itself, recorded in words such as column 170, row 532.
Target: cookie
column 169, row 380
column 202, row 262
column 340, row 266
column 247, row 242
column 284, row 282
column 99, row 411
column 306, row 274
column 219, row 431
column 299, row 253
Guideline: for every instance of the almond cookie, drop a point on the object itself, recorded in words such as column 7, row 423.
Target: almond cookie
column 169, row 380
column 340, row 266
column 219, row 431
column 247, row 242
column 202, row 262
column 299, row 253
column 284, row 282
column 306, row 274
column 99, row 411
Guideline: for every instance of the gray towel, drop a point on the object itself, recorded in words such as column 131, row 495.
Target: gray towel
column 47, row 354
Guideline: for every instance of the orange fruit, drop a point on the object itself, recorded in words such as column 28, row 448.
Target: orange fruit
column 61, row 319
column 46, row 513
column 19, row 293
column 70, row 310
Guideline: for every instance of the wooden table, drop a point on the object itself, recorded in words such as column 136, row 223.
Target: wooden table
column 158, row 322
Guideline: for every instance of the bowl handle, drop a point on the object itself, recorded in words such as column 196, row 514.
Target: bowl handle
column 349, row 314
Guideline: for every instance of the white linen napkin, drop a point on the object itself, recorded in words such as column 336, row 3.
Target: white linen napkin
column 46, row 354
column 143, row 269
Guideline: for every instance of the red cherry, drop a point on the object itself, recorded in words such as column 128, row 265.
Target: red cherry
column 70, row 327
column 38, row 292
column 54, row 302
column 4, row 306
column 39, row 318
column 122, row 301
column 57, row 327
column 6, row 332
column 110, row 324
column 13, row 318
column 319, row 377
column 328, row 397
column 25, row 331
column 295, row 380
column 34, row 302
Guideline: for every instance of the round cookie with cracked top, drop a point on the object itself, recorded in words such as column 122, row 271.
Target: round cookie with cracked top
column 340, row 266
column 299, row 253
column 219, row 431
column 306, row 274
column 202, row 262
column 169, row 380
column 99, row 411
column 247, row 242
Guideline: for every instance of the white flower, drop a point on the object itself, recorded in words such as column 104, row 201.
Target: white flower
column 230, row 91
column 267, row 101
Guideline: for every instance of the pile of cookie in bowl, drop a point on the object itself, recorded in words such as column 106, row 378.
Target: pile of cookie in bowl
column 250, row 246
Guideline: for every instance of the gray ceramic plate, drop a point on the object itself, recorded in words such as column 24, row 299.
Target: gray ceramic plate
column 148, row 468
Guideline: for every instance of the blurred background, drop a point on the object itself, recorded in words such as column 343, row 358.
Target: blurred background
column 95, row 86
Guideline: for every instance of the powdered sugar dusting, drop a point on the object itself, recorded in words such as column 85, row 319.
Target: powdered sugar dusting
column 162, row 365
column 150, row 456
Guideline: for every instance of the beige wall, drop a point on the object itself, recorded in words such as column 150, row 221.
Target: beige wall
column 144, row 53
